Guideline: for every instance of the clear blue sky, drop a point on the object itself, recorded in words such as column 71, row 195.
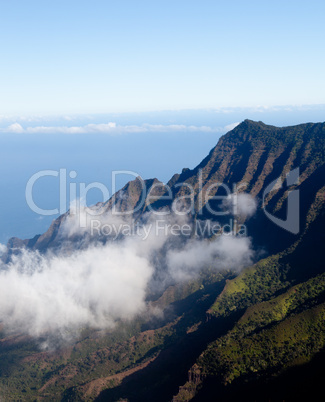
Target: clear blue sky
column 78, row 56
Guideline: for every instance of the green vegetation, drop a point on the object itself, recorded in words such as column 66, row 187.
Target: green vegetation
column 219, row 332
column 294, row 340
column 253, row 285
column 270, row 337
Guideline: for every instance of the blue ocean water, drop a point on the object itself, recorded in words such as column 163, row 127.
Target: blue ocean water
column 93, row 157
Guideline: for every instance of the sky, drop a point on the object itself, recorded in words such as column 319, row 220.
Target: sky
column 109, row 56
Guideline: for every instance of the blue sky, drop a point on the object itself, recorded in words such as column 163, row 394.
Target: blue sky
column 121, row 56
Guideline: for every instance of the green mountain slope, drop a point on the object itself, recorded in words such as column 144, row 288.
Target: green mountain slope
column 269, row 338
column 226, row 336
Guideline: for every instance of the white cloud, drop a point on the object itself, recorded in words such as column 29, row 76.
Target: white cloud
column 230, row 127
column 15, row 128
column 113, row 128
column 242, row 204
column 60, row 295
column 246, row 204
column 89, row 128
column 57, row 295
column 226, row 252
column 3, row 249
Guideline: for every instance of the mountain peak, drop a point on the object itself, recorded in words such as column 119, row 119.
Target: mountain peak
column 248, row 124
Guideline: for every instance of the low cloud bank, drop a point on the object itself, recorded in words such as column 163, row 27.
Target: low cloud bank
column 60, row 295
column 113, row 128
column 227, row 252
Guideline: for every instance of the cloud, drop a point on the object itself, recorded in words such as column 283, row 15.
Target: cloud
column 246, row 204
column 89, row 128
column 230, row 127
column 55, row 296
column 15, row 128
column 242, row 204
column 60, row 295
column 88, row 219
column 269, row 108
column 114, row 128
column 3, row 249
column 226, row 252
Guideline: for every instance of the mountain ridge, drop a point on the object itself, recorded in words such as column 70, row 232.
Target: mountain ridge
column 222, row 333
column 254, row 135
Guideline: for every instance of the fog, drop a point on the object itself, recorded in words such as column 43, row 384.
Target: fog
column 59, row 295
column 240, row 204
